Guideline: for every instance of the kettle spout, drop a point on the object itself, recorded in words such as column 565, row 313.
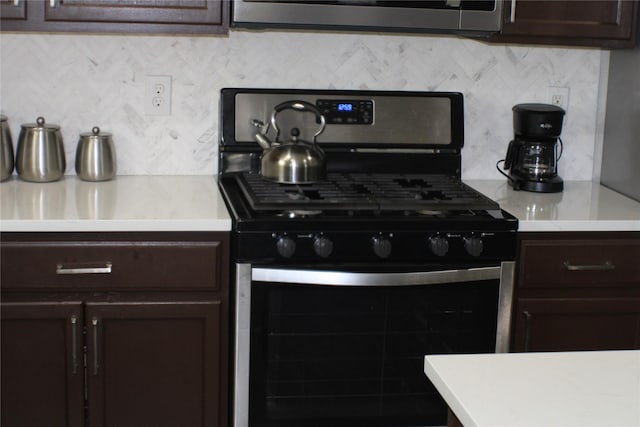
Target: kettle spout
column 260, row 136
column 263, row 141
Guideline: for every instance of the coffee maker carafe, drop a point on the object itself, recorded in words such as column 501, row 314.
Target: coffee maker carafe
column 533, row 154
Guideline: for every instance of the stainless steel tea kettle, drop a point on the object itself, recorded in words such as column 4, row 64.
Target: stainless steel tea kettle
column 294, row 161
column 40, row 156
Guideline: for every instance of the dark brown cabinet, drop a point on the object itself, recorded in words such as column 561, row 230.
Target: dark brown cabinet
column 154, row 363
column 107, row 329
column 577, row 291
column 42, row 374
column 119, row 16
column 599, row 23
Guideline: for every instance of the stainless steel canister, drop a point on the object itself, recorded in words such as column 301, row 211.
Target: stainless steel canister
column 40, row 156
column 95, row 156
column 6, row 167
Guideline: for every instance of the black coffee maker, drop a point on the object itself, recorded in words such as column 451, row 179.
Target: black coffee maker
column 532, row 156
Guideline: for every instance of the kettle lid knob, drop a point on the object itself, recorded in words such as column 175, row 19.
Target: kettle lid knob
column 295, row 133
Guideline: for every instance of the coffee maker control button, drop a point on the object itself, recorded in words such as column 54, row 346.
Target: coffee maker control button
column 473, row 245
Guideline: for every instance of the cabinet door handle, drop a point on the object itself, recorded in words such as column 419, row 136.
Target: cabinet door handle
column 527, row 330
column 74, row 345
column 607, row 266
column 94, row 323
column 60, row 269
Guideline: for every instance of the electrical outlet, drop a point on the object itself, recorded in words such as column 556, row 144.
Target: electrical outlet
column 558, row 96
column 157, row 99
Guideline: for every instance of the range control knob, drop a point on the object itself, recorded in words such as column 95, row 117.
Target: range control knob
column 381, row 246
column 473, row 245
column 322, row 246
column 286, row 246
column 439, row 245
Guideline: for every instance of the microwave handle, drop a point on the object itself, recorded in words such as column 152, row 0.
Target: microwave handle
column 342, row 278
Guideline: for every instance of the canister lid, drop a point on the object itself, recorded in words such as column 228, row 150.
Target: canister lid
column 96, row 132
column 40, row 123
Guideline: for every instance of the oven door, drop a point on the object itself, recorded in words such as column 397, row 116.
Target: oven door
column 341, row 348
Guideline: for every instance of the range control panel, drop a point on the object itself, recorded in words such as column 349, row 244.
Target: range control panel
column 346, row 112
column 345, row 246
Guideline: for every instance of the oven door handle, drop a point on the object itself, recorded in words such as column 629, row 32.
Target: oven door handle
column 342, row 278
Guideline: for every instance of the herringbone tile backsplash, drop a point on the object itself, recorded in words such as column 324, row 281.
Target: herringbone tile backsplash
column 81, row 81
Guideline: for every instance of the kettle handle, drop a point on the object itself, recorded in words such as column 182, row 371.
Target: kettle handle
column 298, row 106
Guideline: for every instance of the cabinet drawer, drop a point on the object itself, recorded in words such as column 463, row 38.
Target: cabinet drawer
column 111, row 265
column 579, row 263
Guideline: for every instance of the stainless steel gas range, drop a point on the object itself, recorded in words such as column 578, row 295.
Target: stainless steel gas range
column 342, row 285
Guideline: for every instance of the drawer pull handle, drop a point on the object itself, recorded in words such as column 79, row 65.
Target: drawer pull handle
column 607, row 266
column 60, row 269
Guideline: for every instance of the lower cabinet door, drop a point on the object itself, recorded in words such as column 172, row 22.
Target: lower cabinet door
column 42, row 364
column 153, row 364
column 577, row 324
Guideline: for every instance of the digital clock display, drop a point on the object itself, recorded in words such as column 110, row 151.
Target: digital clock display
column 346, row 111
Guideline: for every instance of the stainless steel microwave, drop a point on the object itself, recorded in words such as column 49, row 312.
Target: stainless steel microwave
column 434, row 16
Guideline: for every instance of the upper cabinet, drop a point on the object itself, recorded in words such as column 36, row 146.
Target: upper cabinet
column 118, row 16
column 598, row 23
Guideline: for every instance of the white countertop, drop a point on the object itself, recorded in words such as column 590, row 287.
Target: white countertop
column 582, row 206
column 598, row 388
column 193, row 203
column 126, row 203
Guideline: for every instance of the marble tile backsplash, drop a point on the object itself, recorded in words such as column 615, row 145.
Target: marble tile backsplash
column 81, row 81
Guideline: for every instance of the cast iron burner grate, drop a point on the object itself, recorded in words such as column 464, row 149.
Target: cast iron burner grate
column 361, row 191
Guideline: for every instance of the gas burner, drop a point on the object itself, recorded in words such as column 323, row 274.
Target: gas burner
column 299, row 213
column 431, row 212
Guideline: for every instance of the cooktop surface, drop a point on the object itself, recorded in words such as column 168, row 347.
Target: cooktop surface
column 419, row 193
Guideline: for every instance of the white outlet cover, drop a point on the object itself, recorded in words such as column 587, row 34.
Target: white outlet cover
column 562, row 93
column 157, row 96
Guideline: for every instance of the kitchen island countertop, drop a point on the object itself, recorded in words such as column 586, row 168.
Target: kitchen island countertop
column 582, row 206
column 126, row 203
column 591, row 388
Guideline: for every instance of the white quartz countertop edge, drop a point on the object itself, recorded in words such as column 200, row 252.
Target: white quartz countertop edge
column 568, row 389
column 126, row 203
column 582, row 206
column 114, row 225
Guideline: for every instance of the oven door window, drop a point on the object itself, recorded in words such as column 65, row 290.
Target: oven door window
column 346, row 356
